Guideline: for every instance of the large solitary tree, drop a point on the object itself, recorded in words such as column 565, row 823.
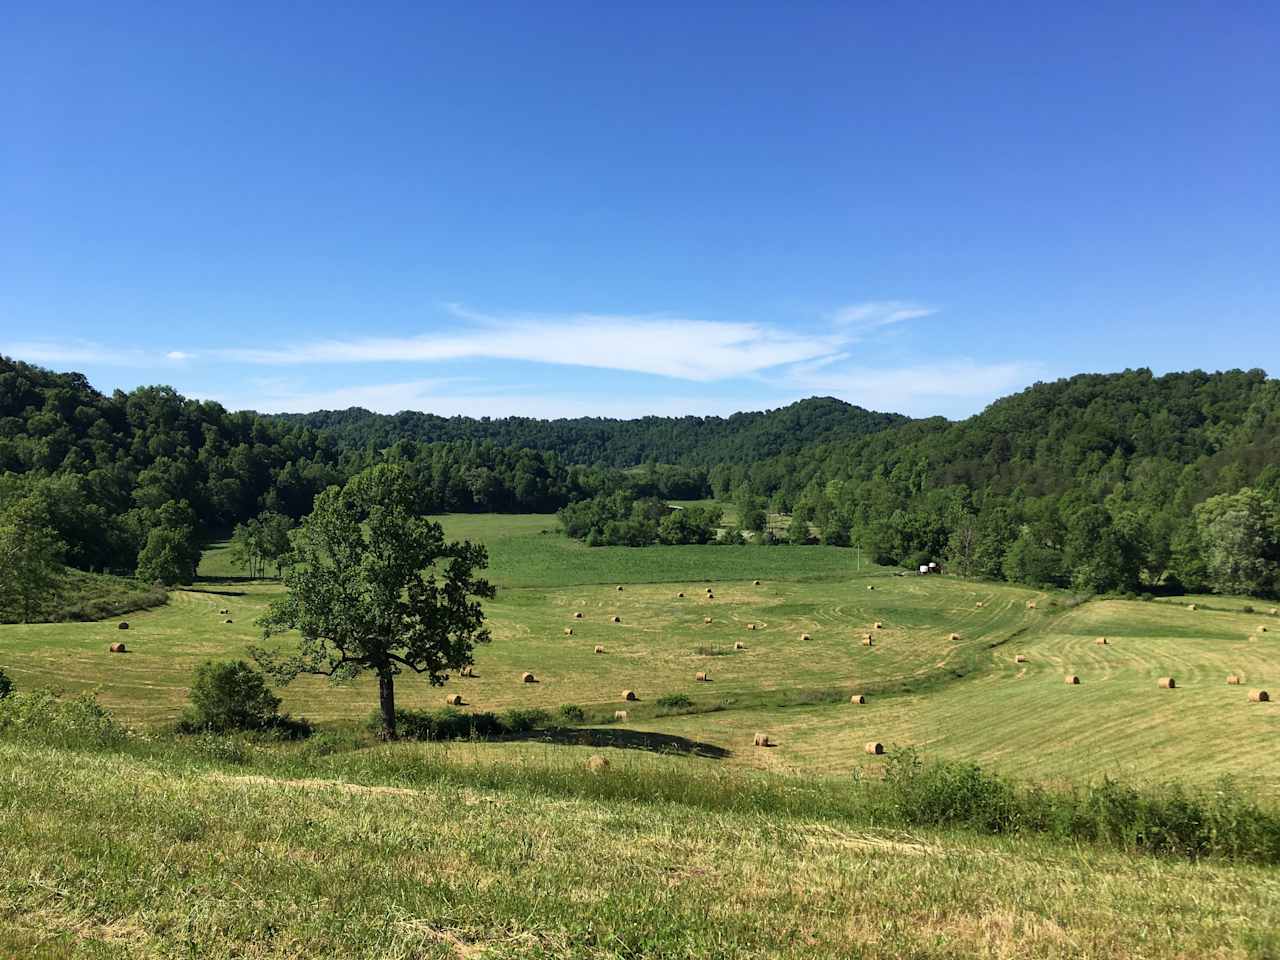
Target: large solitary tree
column 374, row 586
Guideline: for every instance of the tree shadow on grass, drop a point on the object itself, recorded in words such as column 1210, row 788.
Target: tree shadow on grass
column 626, row 740
column 206, row 586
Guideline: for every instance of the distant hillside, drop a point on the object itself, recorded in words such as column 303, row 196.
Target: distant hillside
column 1091, row 481
column 740, row 438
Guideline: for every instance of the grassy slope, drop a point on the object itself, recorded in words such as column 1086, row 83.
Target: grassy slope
column 207, row 862
column 1020, row 719
column 93, row 596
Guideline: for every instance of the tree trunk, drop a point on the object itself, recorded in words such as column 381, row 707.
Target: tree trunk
column 387, row 703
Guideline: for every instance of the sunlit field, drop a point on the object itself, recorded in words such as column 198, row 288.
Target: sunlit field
column 782, row 656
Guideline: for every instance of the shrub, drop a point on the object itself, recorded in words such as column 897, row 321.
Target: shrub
column 571, row 713
column 1247, row 608
column 524, row 720
column 231, row 695
column 1162, row 819
column 41, row 717
column 221, row 747
column 674, row 701
column 6, row 685
column 451, row 724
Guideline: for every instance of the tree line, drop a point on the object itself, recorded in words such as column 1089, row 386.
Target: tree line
column 1118, row 482
column 1101, row 482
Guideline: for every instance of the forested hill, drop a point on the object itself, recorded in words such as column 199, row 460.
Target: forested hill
column 1097, row 480
column 740, row 438
column 1101, row 481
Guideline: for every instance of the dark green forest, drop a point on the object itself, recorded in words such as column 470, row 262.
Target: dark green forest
column 741, row 438
column 1101, row 482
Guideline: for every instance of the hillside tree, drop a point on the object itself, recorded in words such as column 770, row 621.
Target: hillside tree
column 373, row 586
column 1241, row 537
column 30, row 558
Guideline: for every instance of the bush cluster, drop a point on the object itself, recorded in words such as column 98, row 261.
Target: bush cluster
column 42, row 717
column 231, row 696
column 451, row 724
column 1165, row 819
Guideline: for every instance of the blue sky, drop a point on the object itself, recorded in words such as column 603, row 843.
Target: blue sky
column 559, row 209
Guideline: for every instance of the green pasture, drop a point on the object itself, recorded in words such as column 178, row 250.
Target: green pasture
column 963, row 698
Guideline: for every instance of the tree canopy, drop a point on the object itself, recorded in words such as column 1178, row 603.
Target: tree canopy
column 374, row 586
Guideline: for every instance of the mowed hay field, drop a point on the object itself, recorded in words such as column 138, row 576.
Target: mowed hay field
column 962, row 697
column 116, row 857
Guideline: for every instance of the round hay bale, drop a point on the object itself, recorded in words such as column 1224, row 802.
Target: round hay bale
column 739, row 645
column 708, row 589
column 1233, row 680
column 710, row 595
column 467, row 671
column 755, row 583
column 871, row 586
column 615, row 619
column 629, row 695
column 762, row 740
column 619, row 714
column 1072, row 679
column 1262, row 628
column 578, row 615
column 453, row 700
column 805, row 638
column 680, row 596
column 701, row 677
column 1031, row 604
column 528, row 678
column 599, row 649
column 596, row 763
column 1259, row 696
column 118, row 648
column 619, row 588
column 228, row 620
column 568, row 631
column 1020, row 658
column 867, row 641
column 1101, row 641
column 1166, row 683
column 878, row 625
column 751, row 626
column 223, row 612
column 1274, row 611
column 874, row 747
column 978, row 604
column 123, row 625
column 952, row 637
column 858, row 698
column 706, row 619
column 1191, row 606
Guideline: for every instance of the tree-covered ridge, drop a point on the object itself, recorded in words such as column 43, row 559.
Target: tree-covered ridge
column 133, row 481
column 1041, row 484
column 1099, row 481
column 740, row 438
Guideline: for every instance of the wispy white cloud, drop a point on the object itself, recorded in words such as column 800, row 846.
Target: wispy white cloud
column 449, row 397
column 62, row 354
column 699, row 350
column 948, row 387
column 872, row 314
column 78, row 353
